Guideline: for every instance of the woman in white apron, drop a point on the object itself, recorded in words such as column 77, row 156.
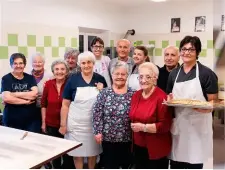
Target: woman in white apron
column 140, row 56
column 192, row 128
column 79, row 96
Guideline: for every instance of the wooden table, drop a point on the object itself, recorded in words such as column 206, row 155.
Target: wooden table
column 33, row 151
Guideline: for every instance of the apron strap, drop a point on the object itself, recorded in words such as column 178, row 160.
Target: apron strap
column 178, row 74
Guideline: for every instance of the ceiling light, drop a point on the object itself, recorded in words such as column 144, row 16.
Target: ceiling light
column 158, row 0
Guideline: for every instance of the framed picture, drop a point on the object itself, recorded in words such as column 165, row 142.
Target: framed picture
column 175, row 25
column 200, row 23
column 222, row 23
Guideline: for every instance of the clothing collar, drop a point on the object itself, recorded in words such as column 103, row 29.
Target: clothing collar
column 129, row 61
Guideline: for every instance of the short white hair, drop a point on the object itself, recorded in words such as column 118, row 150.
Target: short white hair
column 173, row 47
column 124, row 40
column 37, row 54
column 85, row 56
column 151, row 67
column 120, row 64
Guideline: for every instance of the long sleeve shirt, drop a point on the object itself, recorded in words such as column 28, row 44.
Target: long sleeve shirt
column 111, row 115
column 152, row 111
column 52, row 101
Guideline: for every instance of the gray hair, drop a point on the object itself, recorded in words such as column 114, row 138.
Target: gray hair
column 151, row 67
column 124, row 40
column 37, row 54
column 173, row 47
column 71, row 52
column 120, row 64
column 86, row 55
column 56, row 62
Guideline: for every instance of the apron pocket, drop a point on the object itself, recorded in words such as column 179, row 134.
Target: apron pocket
column 199, row 123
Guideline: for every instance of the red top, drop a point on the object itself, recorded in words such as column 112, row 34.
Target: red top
column 52, row 101
column 151, row 110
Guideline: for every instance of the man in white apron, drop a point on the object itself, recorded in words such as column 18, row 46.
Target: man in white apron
column 192, row 128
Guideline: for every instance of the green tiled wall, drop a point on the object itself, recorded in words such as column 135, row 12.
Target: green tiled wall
column 36, row 43
column 158, row 51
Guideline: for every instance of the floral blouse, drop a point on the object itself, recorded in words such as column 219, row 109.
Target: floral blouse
column 111, row 115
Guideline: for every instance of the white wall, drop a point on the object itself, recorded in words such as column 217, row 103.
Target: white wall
column 63, row 13
column 153, row 22
column 156, row 18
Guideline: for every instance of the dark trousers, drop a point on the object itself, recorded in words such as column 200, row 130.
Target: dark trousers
column 142, row 160
column 184, row 165
column 53, row 131
column 68, row 162
column 116, row 155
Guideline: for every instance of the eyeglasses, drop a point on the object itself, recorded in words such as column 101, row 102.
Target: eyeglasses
column 39, row 62
column 190, row 50
column 98, row 47
column 120, row 74
column 18, row 64
column 147, row 78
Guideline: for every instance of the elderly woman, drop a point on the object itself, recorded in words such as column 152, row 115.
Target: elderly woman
column 192, row 128
column 111, row 121
column 79, row 96
column 102, row 62
column 140, row 56
column 151, row 121
column 41, row 76
column 51, row 102
column 19, row 93
column 70, row 57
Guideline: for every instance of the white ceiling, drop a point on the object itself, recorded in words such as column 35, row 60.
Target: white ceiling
column 138, row 3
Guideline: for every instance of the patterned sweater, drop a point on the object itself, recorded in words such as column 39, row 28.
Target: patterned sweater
column 111, row 115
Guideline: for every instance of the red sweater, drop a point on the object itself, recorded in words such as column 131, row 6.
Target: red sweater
column 52, row 101
column 151, row 110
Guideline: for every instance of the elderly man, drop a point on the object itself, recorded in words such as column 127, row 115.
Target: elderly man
column 171, row 59
column 70, row 57
column 123, row 50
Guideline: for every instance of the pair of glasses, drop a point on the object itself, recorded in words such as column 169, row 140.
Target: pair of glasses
column 119, row 74
column 190, row 50
column 147, row 78
column 18, row 64
column 98, row 47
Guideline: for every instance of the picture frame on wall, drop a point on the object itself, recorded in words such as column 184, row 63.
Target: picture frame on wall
column 222, row 23
column 200, row 23
column 175, row 24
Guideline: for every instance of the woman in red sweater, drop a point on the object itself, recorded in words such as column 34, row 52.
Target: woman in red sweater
column 151, row 121
column 51, row 103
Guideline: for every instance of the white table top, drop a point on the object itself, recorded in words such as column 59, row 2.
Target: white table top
column 33, row 151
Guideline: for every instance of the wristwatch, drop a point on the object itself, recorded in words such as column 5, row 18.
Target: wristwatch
column 145, row 128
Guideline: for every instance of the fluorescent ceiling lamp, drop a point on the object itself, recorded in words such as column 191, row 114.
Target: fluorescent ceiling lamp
column 158, row 0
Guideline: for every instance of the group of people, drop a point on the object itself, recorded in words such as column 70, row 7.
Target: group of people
column 114, row 107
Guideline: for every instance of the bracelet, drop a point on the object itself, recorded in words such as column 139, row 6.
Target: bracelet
column 145, row 128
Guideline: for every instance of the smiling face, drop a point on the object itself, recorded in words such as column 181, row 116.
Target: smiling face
column 87, row 65
column 38, row 63
column 59, row 71
column 71, row 61
column 171, row 57
column 147, row 78
column 119, row 76
column 18, row 65
column 139, row 57
column 188, row 53
column 123, row 49
column 97, row 49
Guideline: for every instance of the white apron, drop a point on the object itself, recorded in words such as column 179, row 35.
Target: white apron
column 191, row 131
column 133, row 82
column 79, row 123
